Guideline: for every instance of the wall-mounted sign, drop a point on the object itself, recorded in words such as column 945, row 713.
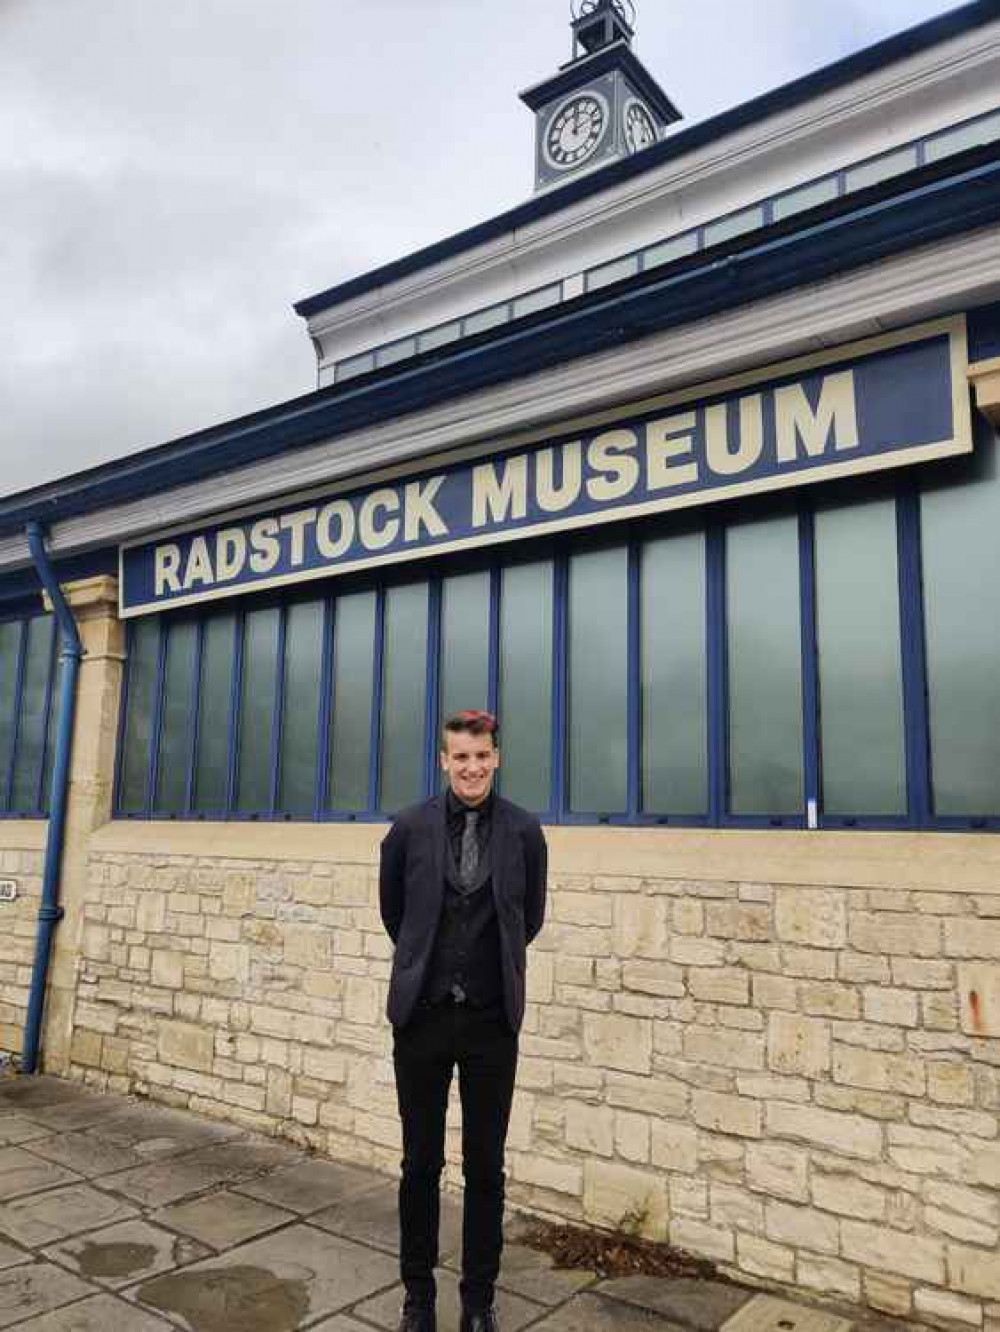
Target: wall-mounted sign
column 897, row 399
column 8, row 890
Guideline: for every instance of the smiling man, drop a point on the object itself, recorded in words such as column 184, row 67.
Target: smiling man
column 462, row 893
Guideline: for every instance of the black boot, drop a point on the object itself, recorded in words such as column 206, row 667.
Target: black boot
column 479, row 1320
column 415, row 1317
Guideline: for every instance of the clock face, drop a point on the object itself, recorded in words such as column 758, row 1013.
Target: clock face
column 575, row 131
column 640, row 129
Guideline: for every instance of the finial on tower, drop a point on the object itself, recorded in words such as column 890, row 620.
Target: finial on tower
column 599, row 23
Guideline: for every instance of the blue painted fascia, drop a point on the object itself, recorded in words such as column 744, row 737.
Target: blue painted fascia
column 898, row 47
column 770, row 264
column 22, row 586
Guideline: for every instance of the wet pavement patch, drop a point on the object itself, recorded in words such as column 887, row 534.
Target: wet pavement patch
column 114, row 1261
column 230, row 1299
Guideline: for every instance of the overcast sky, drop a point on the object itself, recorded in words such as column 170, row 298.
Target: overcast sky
column 174, row 173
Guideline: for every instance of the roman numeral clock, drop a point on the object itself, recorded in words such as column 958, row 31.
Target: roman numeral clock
column 603, row 104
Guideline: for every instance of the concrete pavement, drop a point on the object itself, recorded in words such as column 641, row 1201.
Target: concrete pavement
column 121, row 1216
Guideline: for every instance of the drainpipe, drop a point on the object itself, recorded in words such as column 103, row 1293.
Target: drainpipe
column 50, row 912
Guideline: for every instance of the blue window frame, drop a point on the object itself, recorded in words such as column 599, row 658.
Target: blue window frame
column 29, row 673
column 669, row 671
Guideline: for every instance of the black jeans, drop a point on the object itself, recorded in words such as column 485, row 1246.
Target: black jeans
column 425, row 1052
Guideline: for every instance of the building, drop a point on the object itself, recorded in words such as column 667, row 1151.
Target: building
column 687, row 466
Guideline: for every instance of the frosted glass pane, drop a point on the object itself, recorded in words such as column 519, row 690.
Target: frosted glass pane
column 438, row 337
column 143, row 658
column 537, row 300
column 465, row 642
column 598, row 713
column 178, row 719
column 396, row 351
column 613, row 272
column 809, row 196
column 31, row 736
column 10, row 639
column 354, row 365
column 728, row 227
column 765, row 678
column 882, row 168
column 260, row 677
column 961, row 547
column 674, row 677
column 212, row 762
column 860, row 669
column 484, row 319
column 353, row 665
column 404, row 690
column 300, row 717
column 525, row 707
column 667, row 251
column 984, row 130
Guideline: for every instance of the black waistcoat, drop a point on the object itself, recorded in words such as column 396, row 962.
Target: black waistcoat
column 466, row 954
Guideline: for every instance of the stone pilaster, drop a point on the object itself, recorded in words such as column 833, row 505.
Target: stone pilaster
column 94, row 603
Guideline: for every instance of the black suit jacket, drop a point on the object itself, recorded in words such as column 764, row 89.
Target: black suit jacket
column 411, row 891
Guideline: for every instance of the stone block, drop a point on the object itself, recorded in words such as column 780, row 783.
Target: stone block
column 614, row 1040
column 699, row 1237
column 674, row 1147
column 849, row 1196
column 889, row 1294
column 229, row 962
column 830, row 999
column 762, row 1258
column 950, row 1083
column 945, row 1306
column 895, row 934
column 850, row 1135
column 802, row 1227
column 362, row 1001
column 590, row 1129
column 720, row 985
column 775, row 992
column 748, row 922
column 738, row 1116
column 979, row 998
column 620, row 1195
column 974, row 1271
column 798, row 1045
column 829, row 1276
column 876, row 1070
column 184, row 1045
column 894, row 1007
column 894, row 1251
column 657, row 978
column 707, row 1045
column 782, row 1172
column 816, row 917
column 167, row 969
column 86, row 1047
column 632, row 1136
column 971, row 936
column 641, row 927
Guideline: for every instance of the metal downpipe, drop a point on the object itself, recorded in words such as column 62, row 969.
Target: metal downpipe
column 50, row 912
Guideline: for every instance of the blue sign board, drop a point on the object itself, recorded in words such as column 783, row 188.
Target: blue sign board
column 897, row 399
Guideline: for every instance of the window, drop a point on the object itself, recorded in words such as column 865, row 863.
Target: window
column 28, row 699
column 830, row 666
column 882, row 168
column 616, row 271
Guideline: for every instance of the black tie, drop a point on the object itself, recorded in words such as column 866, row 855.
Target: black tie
column 469, row 859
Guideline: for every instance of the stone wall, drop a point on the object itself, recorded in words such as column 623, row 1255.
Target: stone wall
column 20, row 860
column 796, row 1078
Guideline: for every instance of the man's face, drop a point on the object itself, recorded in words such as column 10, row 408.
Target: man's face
column 470, row 761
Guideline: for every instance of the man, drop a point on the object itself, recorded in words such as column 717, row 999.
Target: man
column 462, row 892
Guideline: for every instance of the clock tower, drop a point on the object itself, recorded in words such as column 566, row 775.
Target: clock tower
column 603, row 104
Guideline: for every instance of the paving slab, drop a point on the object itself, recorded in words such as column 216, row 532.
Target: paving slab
column 271, row 1285
column 46, row 1218
column 590, row 1313
column 169, row 1181
column 17, row 1129
column 223, row 1220
column 21, row 1094
column 11, row 1255
column 513, row 1311
column 704, row 1305
column 120, row 1255
column 766, row 1313
column 533, row 1274
column 340, row 1323
column 22, row 1173
column 37, row 1288
column 155, row 1132
column 308, row 1185
column 65, row 1117
column 103, row 1313
column 372, row 1217
column 83, row 1153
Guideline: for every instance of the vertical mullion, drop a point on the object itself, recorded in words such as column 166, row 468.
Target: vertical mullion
column 325, row 745
column 47, row 714
column 278, row 711
column 560, row 683
column 235, row 695
column 810, row 667
column 914, row 657
column 15, row 731
column 156, row 728
column 493, row 660
column 634, row 683
column 432, row 679
column 194, row 707
column 717, row 657
column 374, row 756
